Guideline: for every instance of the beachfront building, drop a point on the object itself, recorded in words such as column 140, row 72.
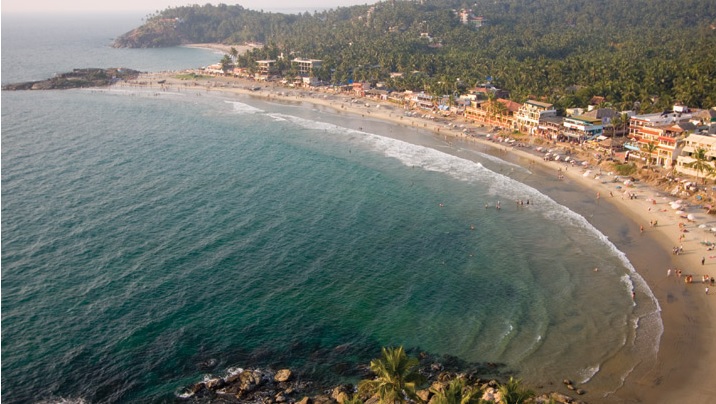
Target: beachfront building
column 423, row 101
column 581, row 128
column 214, row 70
column 531, row 113
column 306, row 67
column 551, row 128
column 656, row 136
column 400, row 98
column 692, row 143
column 359, row 88
column 377, row 94
column 499, row 113
column 265, row 69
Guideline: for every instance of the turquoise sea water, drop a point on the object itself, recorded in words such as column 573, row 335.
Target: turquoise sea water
column 145, row 234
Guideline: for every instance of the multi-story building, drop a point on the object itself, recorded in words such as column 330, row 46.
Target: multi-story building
column 551, row 128
column 582, row 128
column 306, row 67
column 530, row 113
column 656, row 136
column 265, row 69
column 691, row 144
column 423, row 101
column 489, row 113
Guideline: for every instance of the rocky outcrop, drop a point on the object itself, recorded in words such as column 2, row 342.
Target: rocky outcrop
column 263, row 386
column 282, row 375
column 78, row 78
column 253, row 385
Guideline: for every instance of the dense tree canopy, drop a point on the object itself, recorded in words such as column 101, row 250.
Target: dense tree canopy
column 563, row 51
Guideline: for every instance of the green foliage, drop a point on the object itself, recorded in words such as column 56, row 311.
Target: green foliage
column 625, row 169
column 564, row 51
column 226, row 63
column 190, row 76
column 354, row 399
column 700, row 164
column 649, row 149
column 513, row 393
column 456, row 392
column 396, row 378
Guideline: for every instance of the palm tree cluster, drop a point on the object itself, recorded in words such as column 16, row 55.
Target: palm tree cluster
column 397, row 379
column 563, row 51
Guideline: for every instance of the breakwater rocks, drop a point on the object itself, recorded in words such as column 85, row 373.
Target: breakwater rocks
column 284, row 386
column 77, row 78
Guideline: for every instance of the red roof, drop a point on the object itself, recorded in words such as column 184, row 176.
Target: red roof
column 510, row 105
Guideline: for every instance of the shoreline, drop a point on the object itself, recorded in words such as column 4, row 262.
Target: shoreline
column 684, row 360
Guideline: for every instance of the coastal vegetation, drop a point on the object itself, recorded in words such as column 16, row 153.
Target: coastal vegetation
column 394, row 378
column 647, row 53
column 700, row 164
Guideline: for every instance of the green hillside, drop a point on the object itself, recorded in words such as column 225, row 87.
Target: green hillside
column 563, row 51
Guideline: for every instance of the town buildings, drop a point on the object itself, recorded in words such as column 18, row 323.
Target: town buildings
column 656, row 135
column 530, row 113
column 687, row 155
column 306, row 67
column 265, row 69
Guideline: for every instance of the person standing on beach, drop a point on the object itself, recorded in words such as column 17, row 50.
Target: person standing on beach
column 703, row 260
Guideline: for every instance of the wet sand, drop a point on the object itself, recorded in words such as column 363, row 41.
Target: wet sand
column 686, row 362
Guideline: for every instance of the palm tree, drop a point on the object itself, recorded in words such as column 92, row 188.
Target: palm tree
column 701, row 164
column 226, row 63
column 649, row 148
column 455, row 393
column 354, row 399
column 501, row 111
column 616, row 122
column 396, row 377
column 513, row 393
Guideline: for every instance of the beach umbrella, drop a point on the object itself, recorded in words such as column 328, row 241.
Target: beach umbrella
column 586, row 173
column 627, row 182
column 691, row 217
column 679, row 212
column 702, row 226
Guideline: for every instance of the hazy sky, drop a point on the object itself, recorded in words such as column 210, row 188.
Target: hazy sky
column 148, row 6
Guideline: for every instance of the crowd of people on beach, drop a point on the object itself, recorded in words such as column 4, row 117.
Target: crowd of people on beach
column 689, row 278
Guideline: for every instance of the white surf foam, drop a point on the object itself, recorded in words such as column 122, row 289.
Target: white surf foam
column 241, row 108
column 588, row 373
column 505, row 187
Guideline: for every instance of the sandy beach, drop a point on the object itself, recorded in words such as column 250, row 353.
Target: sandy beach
column 220, row 48
column 685, row 363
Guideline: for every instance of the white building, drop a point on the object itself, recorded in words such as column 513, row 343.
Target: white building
column 692, row 143
column 530, row 114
